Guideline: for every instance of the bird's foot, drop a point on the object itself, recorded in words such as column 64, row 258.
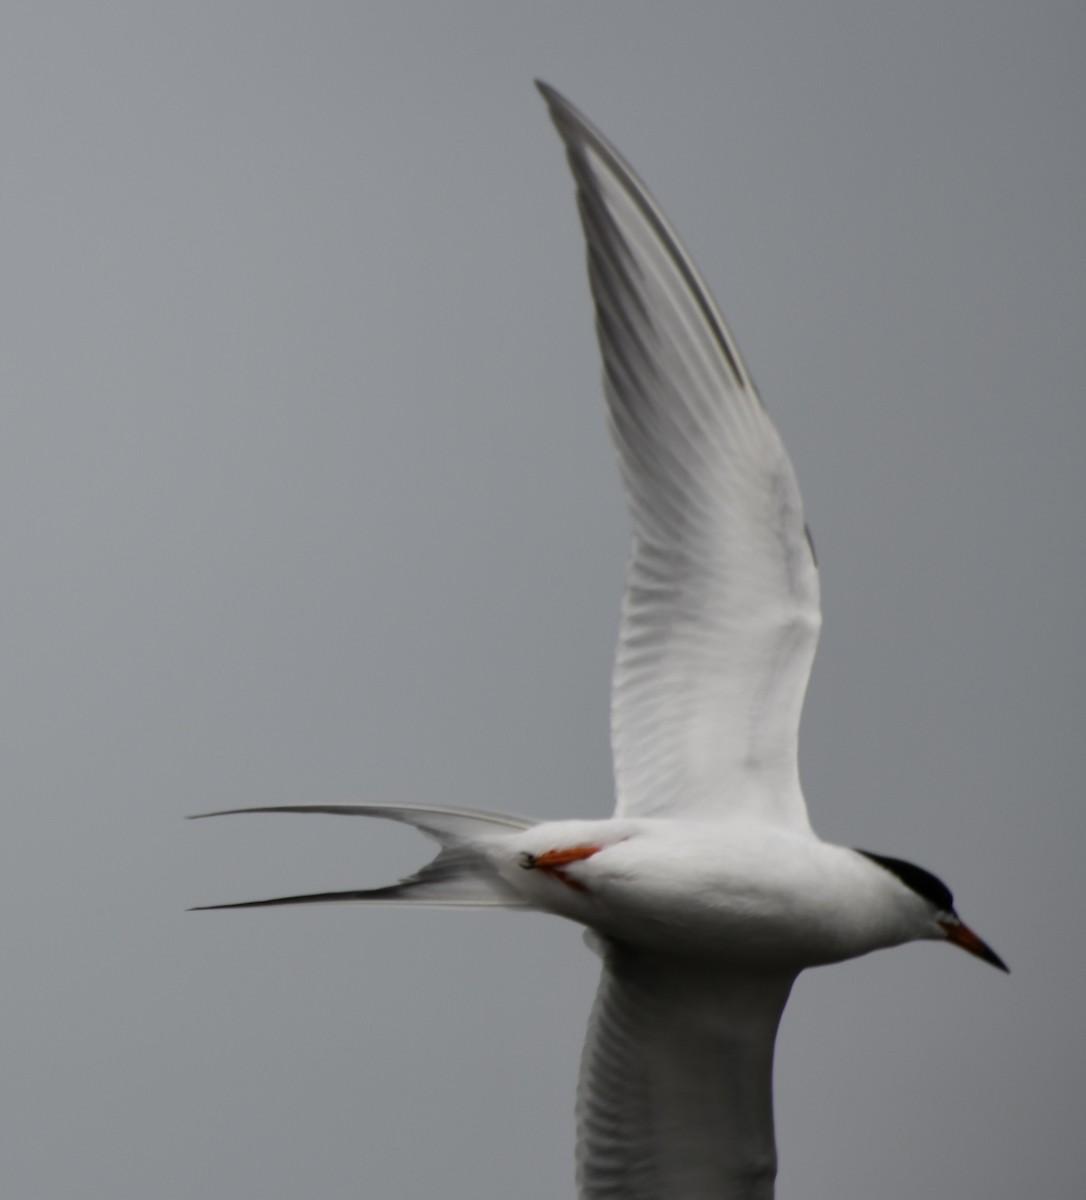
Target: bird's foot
column 552, row 862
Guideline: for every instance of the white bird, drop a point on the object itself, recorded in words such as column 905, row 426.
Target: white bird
column 707, row 892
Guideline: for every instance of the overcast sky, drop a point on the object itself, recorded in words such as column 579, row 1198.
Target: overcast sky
column 307, row 497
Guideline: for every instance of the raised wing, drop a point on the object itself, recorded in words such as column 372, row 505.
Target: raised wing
column 676, row 1098
column 721, row 614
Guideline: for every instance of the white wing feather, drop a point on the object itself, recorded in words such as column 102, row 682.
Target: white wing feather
column 721, row 614
column 675, row 1098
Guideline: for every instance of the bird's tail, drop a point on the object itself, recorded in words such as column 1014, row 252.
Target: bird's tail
column 462, row 874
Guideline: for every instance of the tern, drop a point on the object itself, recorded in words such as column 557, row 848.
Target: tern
column 707, row 892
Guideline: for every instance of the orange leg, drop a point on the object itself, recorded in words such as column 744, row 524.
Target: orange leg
column 552, row 861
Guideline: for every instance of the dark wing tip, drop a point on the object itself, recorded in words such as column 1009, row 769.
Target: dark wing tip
column 575, row 129
column 554, row 98
column 581, row 139
column 572, row 124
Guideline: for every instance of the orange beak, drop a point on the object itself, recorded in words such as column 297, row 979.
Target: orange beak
column 961, row 935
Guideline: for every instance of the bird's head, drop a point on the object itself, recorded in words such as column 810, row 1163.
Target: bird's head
column 943, row 920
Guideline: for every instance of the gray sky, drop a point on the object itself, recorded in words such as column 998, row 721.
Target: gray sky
column 307, row 496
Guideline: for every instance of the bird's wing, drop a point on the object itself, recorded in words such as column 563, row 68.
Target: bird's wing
column 721, row 614
column 675, row 1097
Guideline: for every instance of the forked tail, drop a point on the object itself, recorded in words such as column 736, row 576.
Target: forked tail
column 462, row 874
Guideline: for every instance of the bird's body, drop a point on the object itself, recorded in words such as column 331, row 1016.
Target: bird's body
column 735, row 892
column 707, row 891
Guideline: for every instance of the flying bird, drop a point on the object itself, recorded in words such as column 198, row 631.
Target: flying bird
column 707, row 892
